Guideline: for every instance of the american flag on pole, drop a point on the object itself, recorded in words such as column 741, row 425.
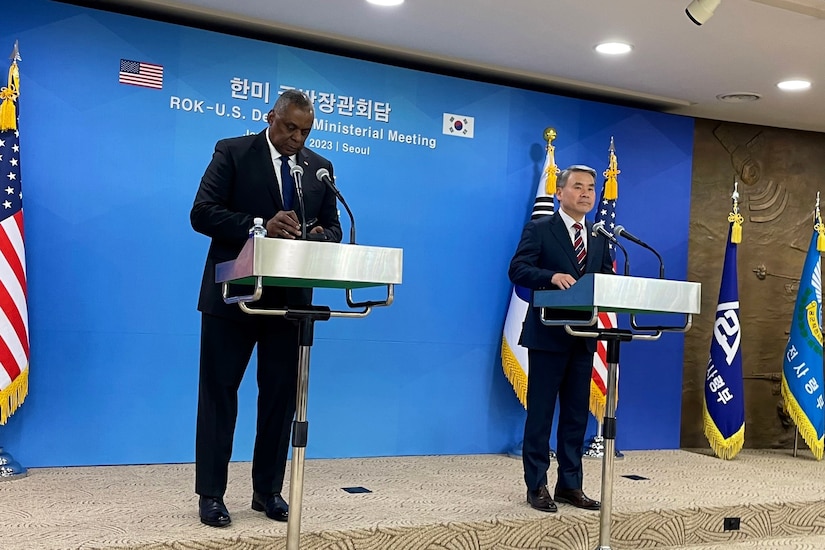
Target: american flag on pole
column 139, row 73
column 606, row 211
column 14, row 319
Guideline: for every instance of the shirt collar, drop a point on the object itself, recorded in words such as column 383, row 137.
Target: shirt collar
column 568, row 221
column 273, row 152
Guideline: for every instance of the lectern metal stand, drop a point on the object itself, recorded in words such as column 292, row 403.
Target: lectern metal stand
column 596, row 292
column 308, row 264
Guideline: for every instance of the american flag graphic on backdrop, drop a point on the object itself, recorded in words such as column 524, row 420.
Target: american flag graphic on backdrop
column 139, row 73
column 14, row 318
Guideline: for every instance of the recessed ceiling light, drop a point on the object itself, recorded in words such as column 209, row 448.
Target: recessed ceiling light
column 739, row 97
column 793, row 85
column 613, row 48
column 386, row 2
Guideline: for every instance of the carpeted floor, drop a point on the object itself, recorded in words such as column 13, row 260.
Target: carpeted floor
column 438, row 502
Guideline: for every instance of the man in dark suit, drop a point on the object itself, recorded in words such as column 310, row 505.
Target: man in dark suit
column 249, row 177
column 553, row 253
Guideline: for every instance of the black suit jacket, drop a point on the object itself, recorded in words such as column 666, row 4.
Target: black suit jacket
column 544, row 250
column 239, row 185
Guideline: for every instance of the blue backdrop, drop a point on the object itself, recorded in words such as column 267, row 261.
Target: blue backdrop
column 109, row 174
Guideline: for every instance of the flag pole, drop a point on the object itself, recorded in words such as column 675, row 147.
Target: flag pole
column 10, row 469
column 514, row 358
column 595, row 447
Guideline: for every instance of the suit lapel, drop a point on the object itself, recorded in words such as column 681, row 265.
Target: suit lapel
column 560, row 232
column 592, row 245
column 260, row 152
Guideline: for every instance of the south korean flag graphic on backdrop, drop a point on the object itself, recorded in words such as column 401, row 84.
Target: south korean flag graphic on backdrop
column 458, row 125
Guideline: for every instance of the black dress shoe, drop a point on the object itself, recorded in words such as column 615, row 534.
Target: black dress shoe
column 577, row 498
column 274, row 505
column 213, row 512
column 540, row 499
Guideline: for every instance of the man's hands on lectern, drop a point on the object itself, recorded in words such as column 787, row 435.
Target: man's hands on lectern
column 563, row 280
column 284, row 224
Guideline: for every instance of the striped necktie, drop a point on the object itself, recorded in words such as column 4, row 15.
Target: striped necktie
column 578, row 245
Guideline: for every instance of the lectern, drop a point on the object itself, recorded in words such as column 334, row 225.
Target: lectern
column 309, row 264
column 598, row 292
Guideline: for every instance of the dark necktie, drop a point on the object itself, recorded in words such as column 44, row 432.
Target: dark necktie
column 287, row 183
column 578, row 245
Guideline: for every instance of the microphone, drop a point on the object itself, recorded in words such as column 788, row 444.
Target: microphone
column 323, row 175
column 297, row 173
column 620, row 231
column 598, row 229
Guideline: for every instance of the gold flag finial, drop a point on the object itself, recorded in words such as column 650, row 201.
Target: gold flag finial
column 819, row 227
column 551, row 173
column 611, row 183
column 10, row 93
column 735, row 217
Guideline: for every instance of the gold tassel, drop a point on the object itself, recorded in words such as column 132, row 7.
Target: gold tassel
column 611, row 184
column 736, row 219
column 551, row 173
column 820, row 232
column 8, row 112
column 550, row 180
column 736, row 233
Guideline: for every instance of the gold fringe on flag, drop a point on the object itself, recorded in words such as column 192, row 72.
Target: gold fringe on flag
column 735, row 217
column 806, row 429
column 611, row 184
column 725, row 449
column 598, row 401
column 13, row 396
column 819, row 227
column 8, row 95
column 514, row 373
column 551, row 173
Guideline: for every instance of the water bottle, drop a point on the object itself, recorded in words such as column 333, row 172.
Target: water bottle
column 258, row 230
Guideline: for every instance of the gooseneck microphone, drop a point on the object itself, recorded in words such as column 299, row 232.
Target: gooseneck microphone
column 323, row 175
column 297, row 173
column 598, row 229
column 620, row 231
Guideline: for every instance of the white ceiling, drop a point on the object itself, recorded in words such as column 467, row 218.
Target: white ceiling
column 676, row 66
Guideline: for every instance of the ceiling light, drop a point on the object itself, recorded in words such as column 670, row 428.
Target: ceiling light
column 386, row 2
column 699, row 11
column 613, row 48
column 793, row 85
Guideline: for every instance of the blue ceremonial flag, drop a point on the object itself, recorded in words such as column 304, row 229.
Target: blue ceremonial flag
column 802, row 375
column 724, row 412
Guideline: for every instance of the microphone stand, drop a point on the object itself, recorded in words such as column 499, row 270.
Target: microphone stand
column 621, row 232
column 599, row 228
column 323, row 175
column 626, row 260
column 351, row 219
column 297, row 173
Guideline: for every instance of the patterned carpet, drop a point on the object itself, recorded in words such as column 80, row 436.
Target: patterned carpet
column 434, row 502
